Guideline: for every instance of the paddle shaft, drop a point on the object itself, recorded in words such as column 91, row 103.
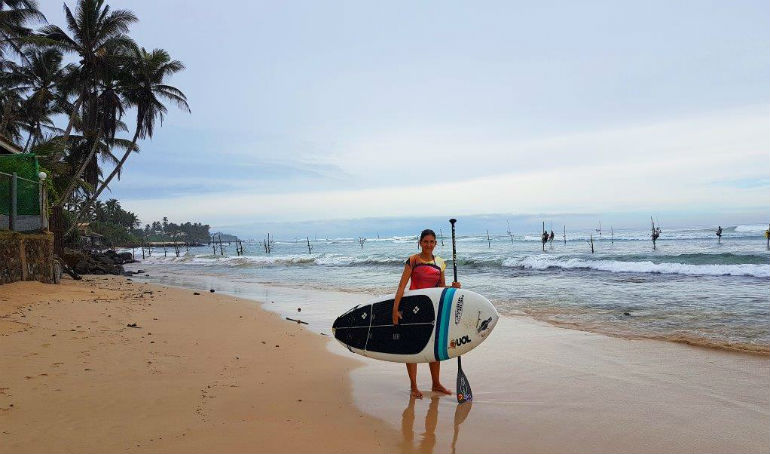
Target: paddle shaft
column 454, row 249
column 464, row 393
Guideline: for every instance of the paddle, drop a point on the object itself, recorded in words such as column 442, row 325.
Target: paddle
column 464, row 393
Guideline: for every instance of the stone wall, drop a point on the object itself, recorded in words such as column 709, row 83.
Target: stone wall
column 24, row 223
column 26, row 257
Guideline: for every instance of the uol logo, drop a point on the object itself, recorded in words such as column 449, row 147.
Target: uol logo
column 458, row 342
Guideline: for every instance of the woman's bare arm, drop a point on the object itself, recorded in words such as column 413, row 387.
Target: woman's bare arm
column 400, row 292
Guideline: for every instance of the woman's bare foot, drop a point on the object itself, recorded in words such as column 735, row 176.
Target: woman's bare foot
column 439, row 388
column 416, row 393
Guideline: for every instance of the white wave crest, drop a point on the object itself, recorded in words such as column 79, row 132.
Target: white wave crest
column 614, row 266
column 753, row 228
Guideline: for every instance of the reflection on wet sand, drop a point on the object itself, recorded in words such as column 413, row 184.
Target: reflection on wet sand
column 461, row 412
column 428, row 438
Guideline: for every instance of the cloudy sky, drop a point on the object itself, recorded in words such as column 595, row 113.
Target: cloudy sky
column 328, row 110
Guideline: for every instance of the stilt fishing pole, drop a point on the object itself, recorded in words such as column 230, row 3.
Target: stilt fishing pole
column 464, row 393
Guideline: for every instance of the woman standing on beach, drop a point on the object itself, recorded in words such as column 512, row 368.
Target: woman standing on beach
column 425, row 271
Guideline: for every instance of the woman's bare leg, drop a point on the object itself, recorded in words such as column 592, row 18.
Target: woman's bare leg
column 411, row 369
column 435, row 369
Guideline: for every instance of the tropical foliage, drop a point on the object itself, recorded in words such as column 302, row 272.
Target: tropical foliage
column 121, row 227
column 69, row 93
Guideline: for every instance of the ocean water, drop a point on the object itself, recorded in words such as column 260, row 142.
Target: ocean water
column 690, row 289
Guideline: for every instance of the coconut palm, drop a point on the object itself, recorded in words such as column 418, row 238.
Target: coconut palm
column 12, row 121
column 98, row 37
column 14, row 16
column 40, row 77
column 145, row 88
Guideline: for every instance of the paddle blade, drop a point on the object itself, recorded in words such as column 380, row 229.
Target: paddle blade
column 464, row 393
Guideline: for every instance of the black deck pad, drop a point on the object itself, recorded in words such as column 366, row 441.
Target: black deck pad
column 410, row 336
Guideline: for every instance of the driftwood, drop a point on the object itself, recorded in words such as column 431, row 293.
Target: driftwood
column 296, row 320
column 68, row 270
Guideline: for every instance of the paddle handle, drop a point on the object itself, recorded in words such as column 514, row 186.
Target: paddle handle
column 454, row 249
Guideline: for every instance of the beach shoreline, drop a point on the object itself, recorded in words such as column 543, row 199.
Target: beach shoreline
column 538, row 388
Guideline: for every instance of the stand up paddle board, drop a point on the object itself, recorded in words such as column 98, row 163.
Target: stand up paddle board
column 436, row 324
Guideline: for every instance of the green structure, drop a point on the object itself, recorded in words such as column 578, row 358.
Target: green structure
column 26, row 168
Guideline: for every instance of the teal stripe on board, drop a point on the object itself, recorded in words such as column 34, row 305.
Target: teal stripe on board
column 446, row 311
column 437, row 335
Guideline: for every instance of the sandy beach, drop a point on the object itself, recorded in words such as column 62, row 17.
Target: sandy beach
column 218, row 373
column 207, row 373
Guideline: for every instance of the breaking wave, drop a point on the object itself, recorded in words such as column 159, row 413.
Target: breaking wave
column 541, row 262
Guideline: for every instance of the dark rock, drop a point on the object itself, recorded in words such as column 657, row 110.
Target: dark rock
column 93, row 262
column 212, row 290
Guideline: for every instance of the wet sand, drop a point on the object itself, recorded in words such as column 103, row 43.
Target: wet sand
column 538, row 388
column 542, row 389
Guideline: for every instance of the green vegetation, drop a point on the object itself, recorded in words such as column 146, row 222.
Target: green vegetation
column 71, row 115
column 122, row 228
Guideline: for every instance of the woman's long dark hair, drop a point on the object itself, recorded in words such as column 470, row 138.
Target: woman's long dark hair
column 427, row 232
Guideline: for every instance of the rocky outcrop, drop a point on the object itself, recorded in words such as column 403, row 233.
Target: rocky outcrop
column 94, row 262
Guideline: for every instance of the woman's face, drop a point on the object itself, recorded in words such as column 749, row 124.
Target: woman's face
column 427, row 243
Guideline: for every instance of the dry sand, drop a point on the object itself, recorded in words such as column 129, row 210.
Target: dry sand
column 207, row 373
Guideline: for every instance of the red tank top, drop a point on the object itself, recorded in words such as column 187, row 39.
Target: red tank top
column 425, row 274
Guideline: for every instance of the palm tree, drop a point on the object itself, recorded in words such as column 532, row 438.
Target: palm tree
column 14, row 15
column 98, row 37
column 41, row 78
column 144, row 88
column 12, row 119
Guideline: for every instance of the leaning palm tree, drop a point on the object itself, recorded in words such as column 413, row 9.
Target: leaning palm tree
column 97, row 35
column 145, row 89
column 14, row 16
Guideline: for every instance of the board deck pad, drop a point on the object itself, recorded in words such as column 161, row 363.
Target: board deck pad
column 371, row 327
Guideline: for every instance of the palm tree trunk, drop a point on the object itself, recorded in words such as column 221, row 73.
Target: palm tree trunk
column 38, row 135
column 31, row 133
column 68, row 131
column 71, row 123
column 84, row 209
column 73, row 184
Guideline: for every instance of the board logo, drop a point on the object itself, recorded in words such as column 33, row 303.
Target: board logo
column 458, row 342
column 484, row 325
column 459, row 309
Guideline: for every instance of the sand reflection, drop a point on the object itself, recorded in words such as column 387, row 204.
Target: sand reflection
column 427, row 441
